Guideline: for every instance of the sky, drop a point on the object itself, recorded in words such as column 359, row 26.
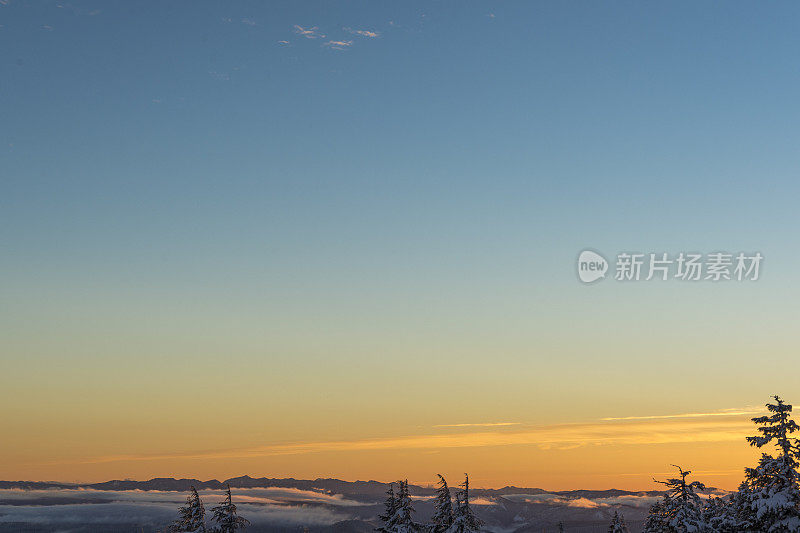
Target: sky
column 338, row 239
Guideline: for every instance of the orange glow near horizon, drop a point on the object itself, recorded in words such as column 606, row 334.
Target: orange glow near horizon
column 616, row 452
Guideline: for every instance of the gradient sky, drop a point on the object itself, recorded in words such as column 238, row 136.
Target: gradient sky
column 325, row 239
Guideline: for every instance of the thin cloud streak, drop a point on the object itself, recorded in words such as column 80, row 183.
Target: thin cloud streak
column 555, row 437
column 724, row 412
column 478, row 424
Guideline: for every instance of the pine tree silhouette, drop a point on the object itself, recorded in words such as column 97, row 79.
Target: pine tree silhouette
column 225, row 516
column 618, row 524
column 682, row 508
column 390, row 508
column 191, row 517
column 464, row 520
column 769, row 497
column 443, row 508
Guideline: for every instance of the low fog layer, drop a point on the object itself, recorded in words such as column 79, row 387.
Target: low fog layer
column 290, row 509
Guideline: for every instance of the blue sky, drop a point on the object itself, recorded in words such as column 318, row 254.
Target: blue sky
column 185, row 180
column 486, row 122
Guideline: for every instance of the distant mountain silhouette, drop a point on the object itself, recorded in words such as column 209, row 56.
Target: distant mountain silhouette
column 362, row 489
column 359, row 490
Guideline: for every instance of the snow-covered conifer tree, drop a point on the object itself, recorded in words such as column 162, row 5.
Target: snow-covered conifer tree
column 657, row 520
column 402, row 522
column 443, row 508
column 683, row 507
column 225, row 516
column 719, row 515
column 770, row 492
column 391, row 507
column 618, row 524
column 741, row 512
column 191, row 517
column 464, row 520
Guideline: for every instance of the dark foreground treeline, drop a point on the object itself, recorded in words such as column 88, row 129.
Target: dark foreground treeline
column 768, row 500
column 448, row 516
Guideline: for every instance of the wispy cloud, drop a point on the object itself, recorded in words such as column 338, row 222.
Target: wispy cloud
column 338, row 45
column 477, row 424
column 723, row 412
column 363, row 33
column 248, row 22
column 309, row 33
column 641, row 431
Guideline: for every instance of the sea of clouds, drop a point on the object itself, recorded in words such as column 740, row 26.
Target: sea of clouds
column 284, row 509
column 263, row 506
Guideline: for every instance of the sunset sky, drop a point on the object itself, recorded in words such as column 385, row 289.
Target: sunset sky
column 338, row 239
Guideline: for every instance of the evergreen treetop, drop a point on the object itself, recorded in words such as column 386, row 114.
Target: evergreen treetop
column 225, row 516
column 464, row 520
column 617, row 524
column 443, row 508
column 390, row 507
column 777, row 427
column 769, row 498
column 191, row 517
column 682, row 508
